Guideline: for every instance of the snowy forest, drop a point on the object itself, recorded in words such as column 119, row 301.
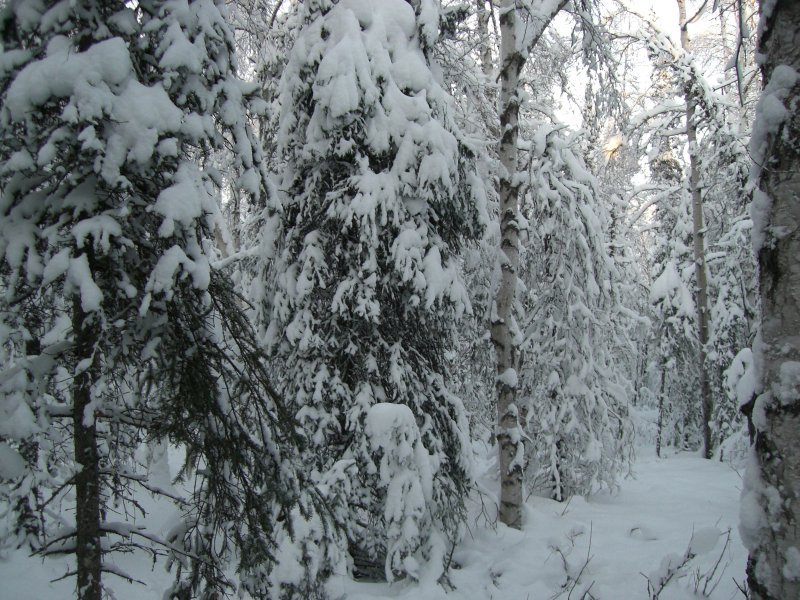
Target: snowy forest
column 425, row 299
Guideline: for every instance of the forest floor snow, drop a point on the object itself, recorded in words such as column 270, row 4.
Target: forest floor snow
column 604, row 547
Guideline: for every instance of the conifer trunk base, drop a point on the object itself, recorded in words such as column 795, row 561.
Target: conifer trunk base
column 88, row 551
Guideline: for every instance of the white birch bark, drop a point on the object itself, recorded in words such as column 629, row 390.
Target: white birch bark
column 513, row 54
column 483, row 14
column 698, row 236
column 509, row 438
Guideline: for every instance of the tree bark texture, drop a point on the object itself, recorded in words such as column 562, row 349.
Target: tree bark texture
column 483, row 14
column 509, row 438
column 662, row 406
column 88, row 551
column 698, row 236
column 771, row 497
column 513, row 54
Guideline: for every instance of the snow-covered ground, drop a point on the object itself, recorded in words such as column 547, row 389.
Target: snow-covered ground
column 604, row 546
column 601, row 547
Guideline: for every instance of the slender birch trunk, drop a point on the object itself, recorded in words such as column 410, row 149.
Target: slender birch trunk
column 698, row 235
column 771, row 497
column 487, row 64
column 513, row 53
column 509, row 438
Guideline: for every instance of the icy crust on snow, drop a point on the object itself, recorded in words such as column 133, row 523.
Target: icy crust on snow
column 771, row 113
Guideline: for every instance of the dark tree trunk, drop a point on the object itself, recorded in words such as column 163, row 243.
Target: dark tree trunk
column 662, row 406
column 88, row 551
column 771, row 497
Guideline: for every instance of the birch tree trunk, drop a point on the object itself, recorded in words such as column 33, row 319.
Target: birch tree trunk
column 771, row 498
column 509, row 431
column 487, row 64
column 698, row 236
column 513, row 54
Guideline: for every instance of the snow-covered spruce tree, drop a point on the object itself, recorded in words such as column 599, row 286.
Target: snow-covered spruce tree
column 474, row 368
column 265, row 33
column 732, row 283
column 664, row 213
column 718, row 168
column 612, row 161
column 673, row 336
column 579, row 425
column 724, row 165
column 472, row 86
column 378, row 197
column 119, row 328
column 629, row 324
column 674, row 331
column 692, row 182
column 770, row 507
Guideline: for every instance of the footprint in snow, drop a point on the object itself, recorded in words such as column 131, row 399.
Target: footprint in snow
column 642, row 532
